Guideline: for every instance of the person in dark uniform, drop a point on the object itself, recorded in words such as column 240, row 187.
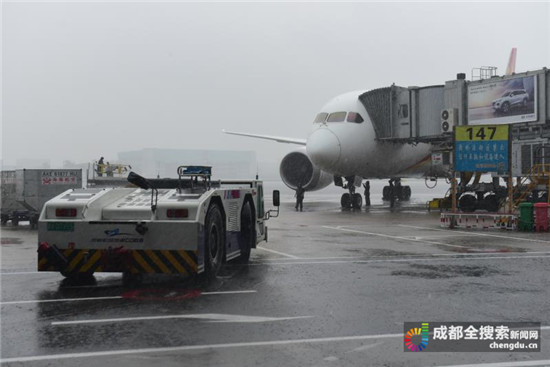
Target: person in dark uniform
column 392, row 194
column 366, row 185
column 299, row 197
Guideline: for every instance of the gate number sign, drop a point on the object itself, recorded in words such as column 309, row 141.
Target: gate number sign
column 482, row 148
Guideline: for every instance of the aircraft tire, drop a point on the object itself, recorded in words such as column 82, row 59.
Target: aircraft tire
column 357, row 201
column 406, row 193
column 345, row 201
column 386, row 193
column 491, row 203
column 467, row 203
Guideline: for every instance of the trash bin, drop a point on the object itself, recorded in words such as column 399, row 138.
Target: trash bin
column 526, row 222
column 541, row 217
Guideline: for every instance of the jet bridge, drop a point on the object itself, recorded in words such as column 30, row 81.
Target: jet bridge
column 406, row 114
column 429, row 114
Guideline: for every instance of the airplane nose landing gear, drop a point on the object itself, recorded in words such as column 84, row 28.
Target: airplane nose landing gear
column 351, row 199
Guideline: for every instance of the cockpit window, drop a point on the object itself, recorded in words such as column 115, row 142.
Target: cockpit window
column 321, row 117
column 336, row 117
column 354, row 117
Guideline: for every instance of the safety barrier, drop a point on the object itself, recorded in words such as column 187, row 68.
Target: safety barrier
column 479, row 220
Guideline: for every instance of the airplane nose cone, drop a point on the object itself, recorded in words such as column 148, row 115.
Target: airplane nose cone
column 323, row 147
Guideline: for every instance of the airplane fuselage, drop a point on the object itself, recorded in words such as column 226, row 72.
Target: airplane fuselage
column 348, row 146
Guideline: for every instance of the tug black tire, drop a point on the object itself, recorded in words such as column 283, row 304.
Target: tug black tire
column 214, row 241
column 248, row 232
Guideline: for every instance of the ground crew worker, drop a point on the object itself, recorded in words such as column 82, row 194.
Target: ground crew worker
column 299, row 197
column 366, row 185
column 392, row 194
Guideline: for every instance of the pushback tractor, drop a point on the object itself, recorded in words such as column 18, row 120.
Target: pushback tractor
column 189, row 225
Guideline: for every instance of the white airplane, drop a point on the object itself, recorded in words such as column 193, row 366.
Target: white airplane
column 343, row 145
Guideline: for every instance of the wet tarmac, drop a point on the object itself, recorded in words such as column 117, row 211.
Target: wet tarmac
column 330, row 288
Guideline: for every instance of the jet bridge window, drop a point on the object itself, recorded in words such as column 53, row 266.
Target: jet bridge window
column 354, row 117
column 321, row 117
column 403, row 111
column 337, row 117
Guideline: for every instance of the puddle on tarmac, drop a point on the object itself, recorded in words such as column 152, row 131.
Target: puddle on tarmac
column 378, row 252
column 483, row 249
column 445, row 271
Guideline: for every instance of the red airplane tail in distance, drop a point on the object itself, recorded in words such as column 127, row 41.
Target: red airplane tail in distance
column 511, row 68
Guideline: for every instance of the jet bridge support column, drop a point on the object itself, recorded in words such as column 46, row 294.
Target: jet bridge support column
column 453, row 193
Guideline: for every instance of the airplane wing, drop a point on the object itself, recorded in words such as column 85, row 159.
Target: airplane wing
column 279, row 139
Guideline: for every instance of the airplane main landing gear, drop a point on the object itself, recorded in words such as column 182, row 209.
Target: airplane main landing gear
column 351, row 199
column 396, row 191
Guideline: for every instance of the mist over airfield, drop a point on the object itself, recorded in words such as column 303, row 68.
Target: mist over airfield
column 86, row 79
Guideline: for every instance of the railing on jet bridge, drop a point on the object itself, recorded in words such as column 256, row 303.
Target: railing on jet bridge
column 484, row 72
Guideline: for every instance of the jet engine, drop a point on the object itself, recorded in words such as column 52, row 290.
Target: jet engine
column 297, row 169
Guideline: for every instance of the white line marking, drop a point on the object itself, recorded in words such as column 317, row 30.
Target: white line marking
column 227, row 292
column 97, row 275
column 403, row 257
column 185, row 348
column 489, row 254
column 317, row 258
column 504, row 364
column 474, row 233
column 105, row 298
column 278, row 253
column 28, row 272
column 340, row 228
column 212, row 317
column 459, row 257
column 59, row 300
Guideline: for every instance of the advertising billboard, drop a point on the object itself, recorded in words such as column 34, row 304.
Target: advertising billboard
column 503, row 101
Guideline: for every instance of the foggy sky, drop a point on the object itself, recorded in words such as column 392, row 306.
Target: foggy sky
column 82, row 80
